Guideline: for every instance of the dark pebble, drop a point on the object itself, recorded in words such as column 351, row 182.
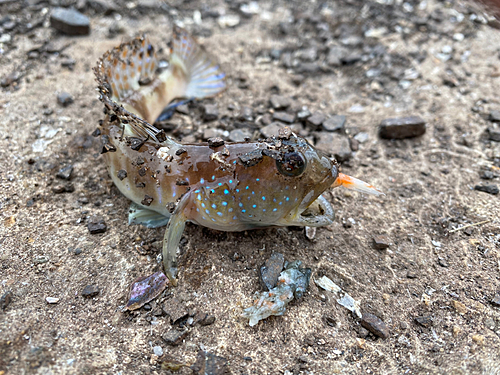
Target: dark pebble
column 404, row 325
column 208, row 363
column 334, row 123
column 147, row 200
column 375, row 325
column 487, row 175
column 215, row 142
column 68, row 63
column 411, row 275
column 494, row 134
column 210, row 112
column 330, row 320
column 495, row 301
column 284, row 117
column 490, row 189
column 495, row 116
column 90, row 291
column 270, row 270
column 246, row 114
column 121, row 174
column 6, row 299
column 176, row 310
column 279, row 102
column 77, row 251
column 63, row 188
column 69, row 21
column 65, row 173
column 64, row 99
column 443, row 263
column 402, row 127
column 209, row 320
column 424, row 321
column 381, row 242
column 96, row 224
column 174, row 337
column 315, row 120
column 363, row 332
column 336, row 144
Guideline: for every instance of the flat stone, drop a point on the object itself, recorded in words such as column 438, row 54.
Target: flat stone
column 272, row 129
column 315, row 120
column 280, row 102
column 284, row 117
column 496, row 300
column 375, row 325
column 64, row 99
column 336, row 144
column 494, row 134
column 215, row 142
column 381, row 242
column 270, row 270
column 402, row 127
column 495, row 116
column 96, row 224
column 175, row 337
column 65, row 172
column 490, row 189
column 424, row 321
column 210, row 112
column 69, row 21
column 239, row 135
column 361, row 137
column 334, row 123
column 208, row 363
column 90, row 291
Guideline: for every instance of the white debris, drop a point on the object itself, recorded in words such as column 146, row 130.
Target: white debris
column 345, row 299
column 228, row 20
column 52, row 300
column 328, row 285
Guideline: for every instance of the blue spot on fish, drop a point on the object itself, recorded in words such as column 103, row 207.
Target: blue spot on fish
column 247, row 187
column 226, row 191
column 199, row 197
column 224, row 203
column 254, row 206
column 197, row 191
column 219, row 213
column 202, row 181
column 240, row 204
column 220, row 184
column 263, row 198
column 214, row 206
column 243, row 211
column 203, row 205
column 275, row 209
column 230, row 181
column 258, row 179
column 208, row 212
column 213, row 178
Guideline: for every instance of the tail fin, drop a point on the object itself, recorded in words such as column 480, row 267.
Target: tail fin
column 203, row 74
column 352, row 183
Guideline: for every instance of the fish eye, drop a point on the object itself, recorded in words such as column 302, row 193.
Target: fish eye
column 292, row 164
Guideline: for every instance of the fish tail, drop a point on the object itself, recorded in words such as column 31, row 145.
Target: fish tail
column 203, row 75
column 352, row 183
column 125, row 68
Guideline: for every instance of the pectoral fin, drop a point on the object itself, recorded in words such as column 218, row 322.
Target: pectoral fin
column 171, row 240
column 150, row 219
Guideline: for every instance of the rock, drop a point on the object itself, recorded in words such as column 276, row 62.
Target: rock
column 402, row 127
column 270, row 270
column 96, row 224
column 361, row 137
column 303, row 115
column 443, row 263
column 239, row 135
column 495, row 116
column 424, row 321
column 284, row 117
column 381, row 242
column 334, row 123
column 176, row 310
column 459, row 307
column 6, row 299
column 487, row 175
column 208, row 363
column 158, row 350
column 121, row 174
column 315, row 120
column 65, row 172
column 68, row 63
column 490, row 189
column 335, row 56
column 496, row 300
column 336, row 144
column 183, row 109
column 246, row 114
column 208, row 320
column 228, row 20
column 64, row 99
column 210, row 112
column 52, row 300
column 494, row 134
column 478, row 339
column 69, row 21
column 375, row 325
column 272, row 129
column 215, row 142
column 174, row 337
column 63, row 188
column 279, row 102
column 90, row 291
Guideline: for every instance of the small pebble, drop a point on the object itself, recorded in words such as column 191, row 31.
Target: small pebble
column 90, row 291
column 424, row 321
column 284, row 117
column 209, row 320
column 361, row 137
column 494, row 134
column 334, row 123
column 315, row 120
column 270, row 270
column 215, row 142
column 495, row 116
column 208, row 363
column 402, row 127
column 487, row 175
column 459, row 307
column 272, row 129
column 375, row 325
column 496, row 300
column 279, row 102
column 335, row 143
column 490, row 189
column 69, row 21
column 174, row 337
column 65, row 173
column 64, row 99
column 52, row 300
column 381, row 242
column 6, row 299
column 239, row 135
column 210, row 112
column 443, row 263
column 157, row 350
column 96, row 224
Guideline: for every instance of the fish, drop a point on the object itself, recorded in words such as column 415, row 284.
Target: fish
column 235, row 186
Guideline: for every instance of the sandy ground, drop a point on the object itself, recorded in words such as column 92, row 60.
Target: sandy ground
column 429, row 270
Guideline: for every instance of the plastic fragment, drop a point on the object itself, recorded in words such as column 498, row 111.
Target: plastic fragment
column 145, row 289
column 292, row 283
column 345, row 299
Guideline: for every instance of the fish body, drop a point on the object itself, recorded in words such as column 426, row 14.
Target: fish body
column 223, row 186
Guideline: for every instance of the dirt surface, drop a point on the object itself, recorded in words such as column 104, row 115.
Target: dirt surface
column 368, row 60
